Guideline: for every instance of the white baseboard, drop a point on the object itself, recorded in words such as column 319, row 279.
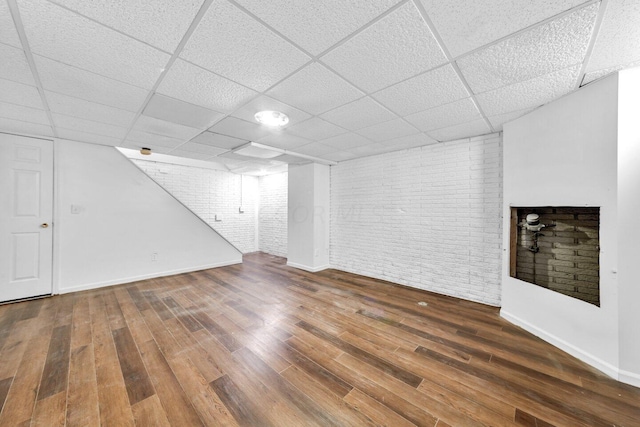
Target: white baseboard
column 307, row 268
column 630, row 378
column 124, row 280
column 576, row 352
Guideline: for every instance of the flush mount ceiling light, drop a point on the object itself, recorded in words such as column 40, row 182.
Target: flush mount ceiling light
column 145, row 151
column 272, row 118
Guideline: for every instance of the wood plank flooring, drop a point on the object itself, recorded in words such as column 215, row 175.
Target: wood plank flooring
column 262, row 344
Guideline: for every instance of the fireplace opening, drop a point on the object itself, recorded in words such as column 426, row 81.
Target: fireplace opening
column 558, row 248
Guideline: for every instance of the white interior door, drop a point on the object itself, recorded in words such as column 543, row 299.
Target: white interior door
column 26, row 212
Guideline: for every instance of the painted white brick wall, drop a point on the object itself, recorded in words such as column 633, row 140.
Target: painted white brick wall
column 273, row 214
column 209, row 193
column 428, row 217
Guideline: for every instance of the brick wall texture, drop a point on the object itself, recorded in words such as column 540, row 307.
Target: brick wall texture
column 428, row 217
column 568, row 257
column 208, row 193
column 273, row 214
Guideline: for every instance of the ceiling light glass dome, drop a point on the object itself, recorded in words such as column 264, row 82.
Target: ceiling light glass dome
column 272, row 118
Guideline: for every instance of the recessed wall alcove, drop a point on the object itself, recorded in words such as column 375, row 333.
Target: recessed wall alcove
column 580, row 150
column 558, row 248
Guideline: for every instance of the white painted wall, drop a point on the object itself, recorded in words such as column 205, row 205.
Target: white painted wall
column 564, row 154
column 272, row 226
column 212, row 194
column 428, row 217
column 309, row 216
column 628, row 229
column 122, row 218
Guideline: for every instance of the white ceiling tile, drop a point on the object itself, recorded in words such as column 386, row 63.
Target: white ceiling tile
column 292, row 159
column 201, row 148
column 262, row 103
column 316, row 129
column 191, row 83
column 474, row 128
column 398, row 46
column 388, row 130
column 146, row 139
column 93, row 138
column 162, row 127
column 230, row 163
column 553, row 46
column 315, row 90
column 316, row 149
column 20, row 94
column 425, row 91
column 179, row 152
column 81, row 125
column 618, row 41
column 231, row 43
column 218, row 140
column 359, row 114
column 284, row 141
column 62, row 35
column 368, row 150
column 8, row 33
column 18, row 126
column 317, row 25
column 14, row 65
column 161, row 23
column 529, row 94
column 595, row 75
column 501, row 119
column 22, row 113
column 346, row 141
column 461, row 111
column 235, row 157
column 80, row 108
column 180, row 112
column 410, row 141
column 340, row 156
column 240, row 129
column 61, row 78
column 465, row 25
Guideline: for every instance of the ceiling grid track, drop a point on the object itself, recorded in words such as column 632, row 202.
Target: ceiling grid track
column 174, row 57
column 15, row 14
column 450, row 60
column 602, row 10
column 356, row 78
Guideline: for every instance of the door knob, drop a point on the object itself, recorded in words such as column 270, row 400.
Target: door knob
column 45, row 225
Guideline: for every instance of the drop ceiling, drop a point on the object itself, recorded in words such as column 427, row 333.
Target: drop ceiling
column 356, row 78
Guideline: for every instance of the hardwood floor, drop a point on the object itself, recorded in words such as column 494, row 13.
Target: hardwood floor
column 262, row 344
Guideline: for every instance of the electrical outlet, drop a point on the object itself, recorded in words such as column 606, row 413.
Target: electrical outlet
column 154, row 256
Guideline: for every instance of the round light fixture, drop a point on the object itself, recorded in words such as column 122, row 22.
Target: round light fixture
column 145, row 151
column 272, row 118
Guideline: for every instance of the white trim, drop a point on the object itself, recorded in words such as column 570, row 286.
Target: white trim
column 144, row 277
column 307, row 268
column 576, row 352
column 629, row 377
